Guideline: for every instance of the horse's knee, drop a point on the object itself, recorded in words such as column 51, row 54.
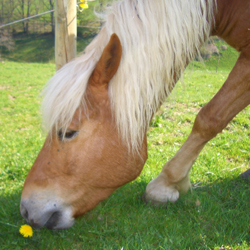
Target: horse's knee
column 207, row 124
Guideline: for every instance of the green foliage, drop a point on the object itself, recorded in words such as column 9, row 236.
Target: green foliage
column 215, row 213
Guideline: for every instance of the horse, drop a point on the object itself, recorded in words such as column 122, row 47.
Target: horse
column 98, row 107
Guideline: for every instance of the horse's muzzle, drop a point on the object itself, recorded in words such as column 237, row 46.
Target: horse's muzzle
column 48, row 213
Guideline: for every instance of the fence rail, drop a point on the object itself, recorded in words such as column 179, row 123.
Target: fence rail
column 26, row 18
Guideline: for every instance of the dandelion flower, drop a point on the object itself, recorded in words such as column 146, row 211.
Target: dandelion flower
column 26, row 231
column 83, row 4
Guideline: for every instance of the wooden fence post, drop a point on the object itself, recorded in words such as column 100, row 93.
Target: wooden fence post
column 65, row 31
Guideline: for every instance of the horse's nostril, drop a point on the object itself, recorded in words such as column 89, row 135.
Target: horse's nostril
column 26, row 215
column 24, row 212
column 53, row 220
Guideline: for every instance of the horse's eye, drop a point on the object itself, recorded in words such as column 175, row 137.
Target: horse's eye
column 68, row 134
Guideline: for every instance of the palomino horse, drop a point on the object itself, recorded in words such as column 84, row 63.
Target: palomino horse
column 98, row 107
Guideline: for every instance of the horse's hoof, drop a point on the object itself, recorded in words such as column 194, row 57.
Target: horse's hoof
column 152, row 202
column 246, row 175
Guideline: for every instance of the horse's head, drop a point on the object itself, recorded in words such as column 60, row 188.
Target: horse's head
column 76, row 170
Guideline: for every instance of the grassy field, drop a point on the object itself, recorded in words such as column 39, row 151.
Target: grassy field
column 37, row 48
column 215, row 215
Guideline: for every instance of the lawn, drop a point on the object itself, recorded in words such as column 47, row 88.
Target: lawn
column 38, row 48
column 213, row 215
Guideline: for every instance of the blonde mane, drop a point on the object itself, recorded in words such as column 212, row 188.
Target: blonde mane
column 159, row 38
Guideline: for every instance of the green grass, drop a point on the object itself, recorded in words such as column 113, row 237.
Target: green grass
column 215, row 213
column 37, row 48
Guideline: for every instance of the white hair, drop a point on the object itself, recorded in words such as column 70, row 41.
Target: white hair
column 159, row 38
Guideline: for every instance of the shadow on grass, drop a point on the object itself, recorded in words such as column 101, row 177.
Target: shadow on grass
column 217, row 211
column 32, row 48
column 10, row 218
column 219, row 218
column 37, row 48
column 215, row 214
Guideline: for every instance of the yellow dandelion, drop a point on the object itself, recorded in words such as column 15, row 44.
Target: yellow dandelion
column 26, row 231
column 84, row 4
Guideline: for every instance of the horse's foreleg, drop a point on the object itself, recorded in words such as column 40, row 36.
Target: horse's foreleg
column 212, row 119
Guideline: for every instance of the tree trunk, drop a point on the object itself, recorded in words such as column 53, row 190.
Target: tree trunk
column 52, row 17
column 22, row 15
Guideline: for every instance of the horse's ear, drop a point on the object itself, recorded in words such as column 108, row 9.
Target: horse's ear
column 108, row 63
